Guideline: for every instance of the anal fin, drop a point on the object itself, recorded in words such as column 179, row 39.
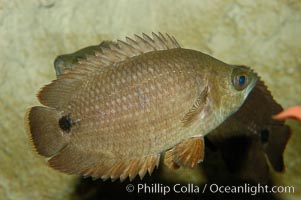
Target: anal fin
column 98, row 165
column 131, row 169
column 186, row 154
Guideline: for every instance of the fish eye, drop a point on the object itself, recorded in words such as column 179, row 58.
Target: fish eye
column 240, row 80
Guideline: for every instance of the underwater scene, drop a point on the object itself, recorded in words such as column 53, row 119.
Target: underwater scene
column 150, row 99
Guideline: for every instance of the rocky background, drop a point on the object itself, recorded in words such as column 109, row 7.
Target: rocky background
column 263, row 34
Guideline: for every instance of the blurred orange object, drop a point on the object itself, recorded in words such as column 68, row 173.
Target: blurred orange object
column 293, row 112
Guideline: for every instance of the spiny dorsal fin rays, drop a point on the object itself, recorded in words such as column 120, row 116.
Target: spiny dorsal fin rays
column 149, row 39
column 114, row 52
column 130, row 41
column 159, row 41
column 174, row 41
column 127, row 47
column 144, row 45
column 117, row 55
column 167, row 42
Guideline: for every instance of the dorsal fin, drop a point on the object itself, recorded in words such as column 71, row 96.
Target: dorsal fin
column 117, row 52
column 109, row 52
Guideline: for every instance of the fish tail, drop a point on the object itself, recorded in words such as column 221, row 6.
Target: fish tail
column 42, row 124
column 276, row 146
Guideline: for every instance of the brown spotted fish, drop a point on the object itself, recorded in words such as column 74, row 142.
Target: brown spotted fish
column 112, row 113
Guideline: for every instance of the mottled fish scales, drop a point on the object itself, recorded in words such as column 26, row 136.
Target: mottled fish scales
column 111, row 114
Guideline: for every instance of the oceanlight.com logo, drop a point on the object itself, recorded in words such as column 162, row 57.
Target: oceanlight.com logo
column 159, row 188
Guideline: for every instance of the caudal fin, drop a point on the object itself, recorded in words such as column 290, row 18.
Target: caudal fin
column 43, row 127
column 275, row 147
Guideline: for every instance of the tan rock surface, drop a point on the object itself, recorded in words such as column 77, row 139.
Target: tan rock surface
column 261, row 34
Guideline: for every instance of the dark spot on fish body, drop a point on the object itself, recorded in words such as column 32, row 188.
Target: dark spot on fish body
column 65, row 123
column 264, row 135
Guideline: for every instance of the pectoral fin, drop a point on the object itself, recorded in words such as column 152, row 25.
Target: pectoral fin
column 169, row 161
column 186, row 154
column 195, row 112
